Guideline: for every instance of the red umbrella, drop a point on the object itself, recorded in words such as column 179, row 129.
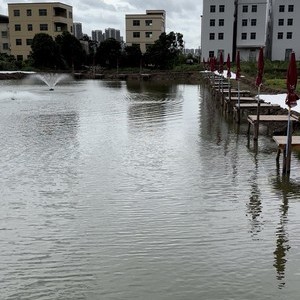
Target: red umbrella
column 260, row 68
column 238, row 66
column 212, row 64
column 291, row 82
column 221, row 63
column 228, row 66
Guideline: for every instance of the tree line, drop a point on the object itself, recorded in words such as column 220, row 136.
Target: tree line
column 65, row 52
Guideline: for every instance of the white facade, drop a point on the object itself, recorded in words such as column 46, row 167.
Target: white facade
column 285, row 29
column 217, row 28
column 252, row 24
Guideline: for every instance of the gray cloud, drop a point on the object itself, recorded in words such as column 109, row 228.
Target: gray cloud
column 182, row 16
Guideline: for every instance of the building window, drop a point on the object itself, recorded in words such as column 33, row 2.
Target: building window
column 253, row 22
column 244, row 22
column 28, row 12
column 289, row 35
column 212, row 8
column 5, row 46
column 29, row 27
column 280, row 35
column 221, row 8
column 280, row 22
column 148, row 22
column 281, row 8
column 211, row 36
column 17, row 27
column 70, row 15
column 28, row 42
column 42, row 12
column 136, row 22
column 245, row 9
column 43, row 27
column 288, row 54
column 19, row 57
column 136, row 34
column 148, row 34
column 221, row 22
column 244, row 35
column 253, row 35
column 254, row 8
column 290, row 8
column 4, row 34
column 290, row 22
column 211, row 53
column 18, row 42
column 212, row 22
column 221, row 36
column 16, row 13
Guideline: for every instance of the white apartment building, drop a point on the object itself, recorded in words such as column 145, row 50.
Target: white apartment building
column 252, row 24
column 217, row 28
column 247, row 25
column 285, row 29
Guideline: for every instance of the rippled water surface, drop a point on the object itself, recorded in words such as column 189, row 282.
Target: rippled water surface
column 133, row 190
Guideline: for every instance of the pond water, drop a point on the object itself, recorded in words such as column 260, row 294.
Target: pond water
column 139, row 190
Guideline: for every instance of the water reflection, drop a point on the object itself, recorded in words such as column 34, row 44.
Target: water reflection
column 282, row 241
column 254, row 206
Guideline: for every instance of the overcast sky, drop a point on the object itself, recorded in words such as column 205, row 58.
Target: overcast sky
column 182, row 15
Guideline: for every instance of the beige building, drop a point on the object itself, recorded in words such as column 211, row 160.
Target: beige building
column 28, row 19
column 145, row 29
column 4, row 35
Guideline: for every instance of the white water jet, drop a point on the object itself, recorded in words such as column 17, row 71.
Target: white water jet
column 51, row 79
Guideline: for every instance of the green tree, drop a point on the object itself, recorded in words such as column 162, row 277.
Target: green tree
column 71, row 50
column 108, row 53
column 45, row 53
column 164, row 53
column 132, row 56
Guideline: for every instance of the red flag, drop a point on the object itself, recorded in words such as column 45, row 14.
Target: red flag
column 291, row 82
column 260, row 68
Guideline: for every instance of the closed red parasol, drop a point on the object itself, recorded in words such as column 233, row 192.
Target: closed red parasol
column 221, row 63
column 291, row 82
column 212, row 63
column 260, row 68
column 238, row 66
column 228, row 66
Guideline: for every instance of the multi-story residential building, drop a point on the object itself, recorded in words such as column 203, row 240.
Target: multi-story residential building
column 112, row 33
column 217, row 28
column 77, row 27
column 4, row 35
column 28, row 19
column 97, row 36
column 251, row 27
column 145, row 29
column 285, row 29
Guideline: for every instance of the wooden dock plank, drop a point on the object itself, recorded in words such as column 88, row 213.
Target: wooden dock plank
column 281, row 140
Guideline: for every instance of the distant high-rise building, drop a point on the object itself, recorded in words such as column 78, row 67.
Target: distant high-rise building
column 97, row 36
column 112, row 33
column 78, row 30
